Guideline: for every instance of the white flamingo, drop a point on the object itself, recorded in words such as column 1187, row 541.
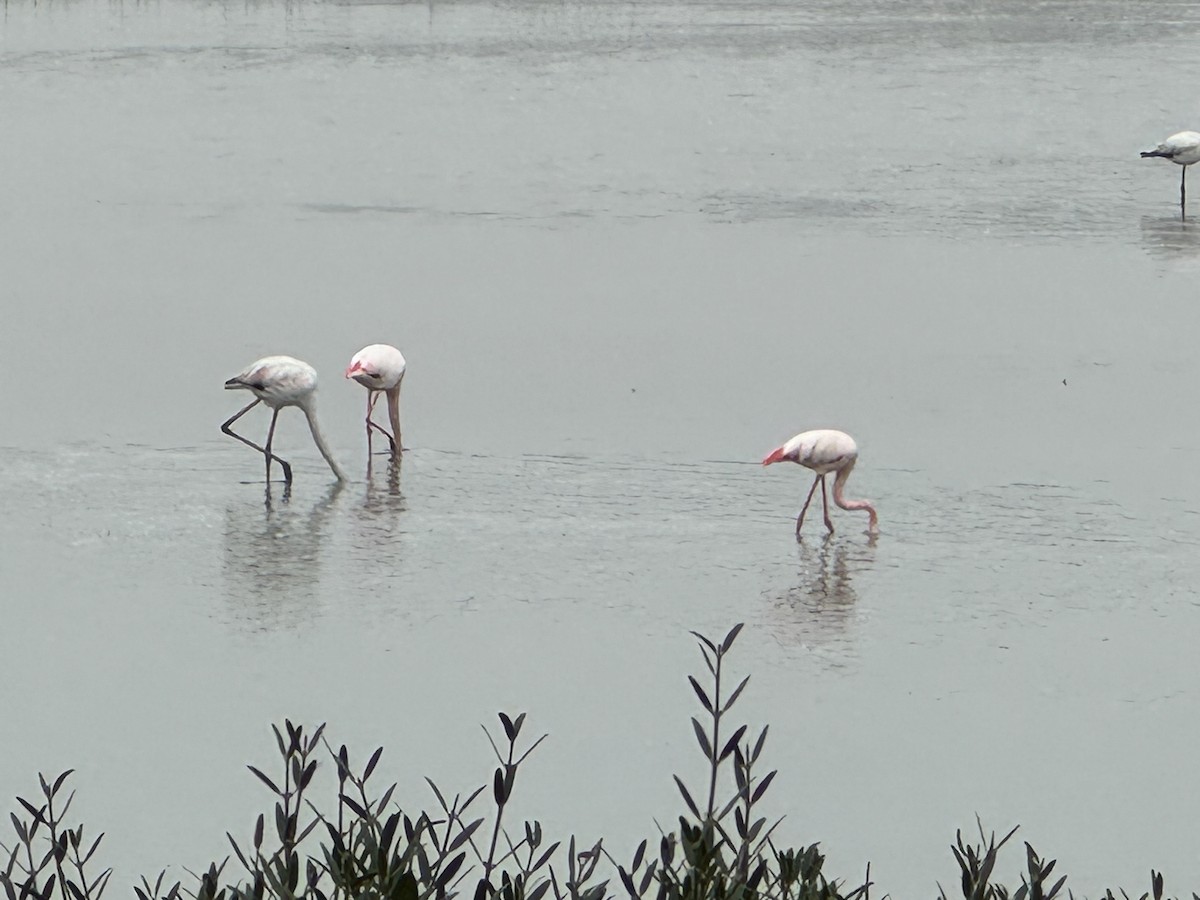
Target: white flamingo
column 1183, row 149
column 280, row 381
column 824, row 451
column 380, row 368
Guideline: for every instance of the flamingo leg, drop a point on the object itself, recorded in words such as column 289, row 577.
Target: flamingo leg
column 1183, row 192
column 825, row 505
column 287, row 469
column 372, row 399
column 808, row 500
column 370, row 409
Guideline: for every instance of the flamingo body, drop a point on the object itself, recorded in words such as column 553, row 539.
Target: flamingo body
column 277, row 381
column 280, row 381
column 823, row 451
column 380, row 368
column 1183, row 149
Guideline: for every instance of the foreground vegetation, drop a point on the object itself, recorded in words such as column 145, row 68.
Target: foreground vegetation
column 363, row 845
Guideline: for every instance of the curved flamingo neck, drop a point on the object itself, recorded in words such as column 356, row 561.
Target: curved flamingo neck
column 319, row 440
column 840, row 499
column 393, row 399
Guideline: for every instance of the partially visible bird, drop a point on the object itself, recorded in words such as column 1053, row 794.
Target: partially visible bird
column 1183, row 149
column 280, row 381
column 380, row 367
column 824, row 451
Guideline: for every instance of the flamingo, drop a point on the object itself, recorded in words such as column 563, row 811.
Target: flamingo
column 1183, row 149
column 280, row 381
column 824, row 451
column 380, row 367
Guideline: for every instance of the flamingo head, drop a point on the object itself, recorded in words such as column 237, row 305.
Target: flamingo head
column 776, row 455
column 362, row 374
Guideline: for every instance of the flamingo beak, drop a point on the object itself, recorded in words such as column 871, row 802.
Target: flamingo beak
column 357, row 367
column 774, row 456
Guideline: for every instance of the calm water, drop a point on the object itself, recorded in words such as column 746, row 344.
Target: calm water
column 627, row 248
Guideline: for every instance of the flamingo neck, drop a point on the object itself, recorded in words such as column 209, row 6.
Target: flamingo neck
column 319, row 440
column 840, row 499
column 393, row 398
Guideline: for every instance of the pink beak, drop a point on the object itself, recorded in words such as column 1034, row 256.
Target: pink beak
column 774, row 456
column 357, row 367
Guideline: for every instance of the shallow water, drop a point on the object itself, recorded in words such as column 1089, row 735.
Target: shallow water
column 627, row 249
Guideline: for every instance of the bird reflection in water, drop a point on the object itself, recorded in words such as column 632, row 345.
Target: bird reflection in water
column 376, row 528
column 272, row 558
column 1168, row 237
column 820, row 608
column 393, row 469
column 383, row 493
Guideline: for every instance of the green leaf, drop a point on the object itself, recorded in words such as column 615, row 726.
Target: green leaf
column 687, row 798
column 705, row 641
column 314, row 739
column 463, row 836
column 371, row 763
column 648, row 876
column 732, row 743
column 731, row 637
column 628, row 882
column 265, row 780
column 763, row 785
column 32, row 810
column 449, row 870
column 704, row 701
column 737, row 692
column 92, row 849
column 238, row 851
column 637, row 856
column 309, row 771
column 441, row 800
column 702, row 738
column 405, row 887
column 389, row 832
column 541, row 861
column 279, row 740
column 59, row 780
column 758, row 745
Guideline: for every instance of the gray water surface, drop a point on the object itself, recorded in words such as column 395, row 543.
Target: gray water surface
column 627, row 248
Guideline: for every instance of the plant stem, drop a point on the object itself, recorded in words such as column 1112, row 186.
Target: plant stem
column 487, row 868
column 716, row 738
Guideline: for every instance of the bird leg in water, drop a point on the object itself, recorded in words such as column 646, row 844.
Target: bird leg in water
column 287, row 469
column 825, row 506
column 287, row 472
column 807, row 500
column 1183, row 192
column 372, row 398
